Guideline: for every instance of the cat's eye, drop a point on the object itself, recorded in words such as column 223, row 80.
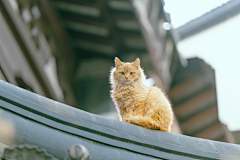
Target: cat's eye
column 122, row 73
column 131, row 73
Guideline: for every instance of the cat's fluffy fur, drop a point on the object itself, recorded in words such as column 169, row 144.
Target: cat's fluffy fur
column 136, row 103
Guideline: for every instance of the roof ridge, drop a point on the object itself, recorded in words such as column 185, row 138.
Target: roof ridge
column 209, row 19
column 209, row 12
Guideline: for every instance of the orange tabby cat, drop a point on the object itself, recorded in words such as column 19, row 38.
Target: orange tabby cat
column 137, row 103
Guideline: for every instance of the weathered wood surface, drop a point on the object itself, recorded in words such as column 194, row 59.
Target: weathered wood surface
column 26, row 117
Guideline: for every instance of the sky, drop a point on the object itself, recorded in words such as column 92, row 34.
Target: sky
column 221, row 53
column 183, row 11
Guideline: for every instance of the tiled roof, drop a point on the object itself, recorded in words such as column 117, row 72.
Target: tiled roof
column 55, row 126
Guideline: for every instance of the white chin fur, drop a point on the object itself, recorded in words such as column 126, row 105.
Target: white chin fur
column 127, row 82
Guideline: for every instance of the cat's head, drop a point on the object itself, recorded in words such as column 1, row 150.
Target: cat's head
column 127, row 72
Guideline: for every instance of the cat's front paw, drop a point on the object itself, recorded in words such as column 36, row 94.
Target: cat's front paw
column 126, row 120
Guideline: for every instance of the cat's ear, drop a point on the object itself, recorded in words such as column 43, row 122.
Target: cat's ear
column 117, row 62
column 137, row 63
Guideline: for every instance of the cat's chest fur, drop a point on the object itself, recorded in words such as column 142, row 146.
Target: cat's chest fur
column 129, row 96
column 125, row 96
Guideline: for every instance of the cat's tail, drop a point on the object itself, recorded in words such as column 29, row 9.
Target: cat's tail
column 146, row 122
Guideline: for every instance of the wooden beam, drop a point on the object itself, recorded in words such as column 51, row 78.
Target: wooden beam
column 209, row 132
column 195, row 103
column 120, row 5
column 96, row 47
column 188, row 88
column 88, row 29
column 16, row 27
column 78, row 9
column 127, row 24
column 64, row 52
column 179, row 88
column 200, row 118
column 3, row 75
column 136, row 43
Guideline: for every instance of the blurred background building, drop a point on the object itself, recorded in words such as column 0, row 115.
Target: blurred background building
column 64, row 50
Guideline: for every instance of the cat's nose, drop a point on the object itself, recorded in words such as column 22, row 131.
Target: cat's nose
column 126, row 77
